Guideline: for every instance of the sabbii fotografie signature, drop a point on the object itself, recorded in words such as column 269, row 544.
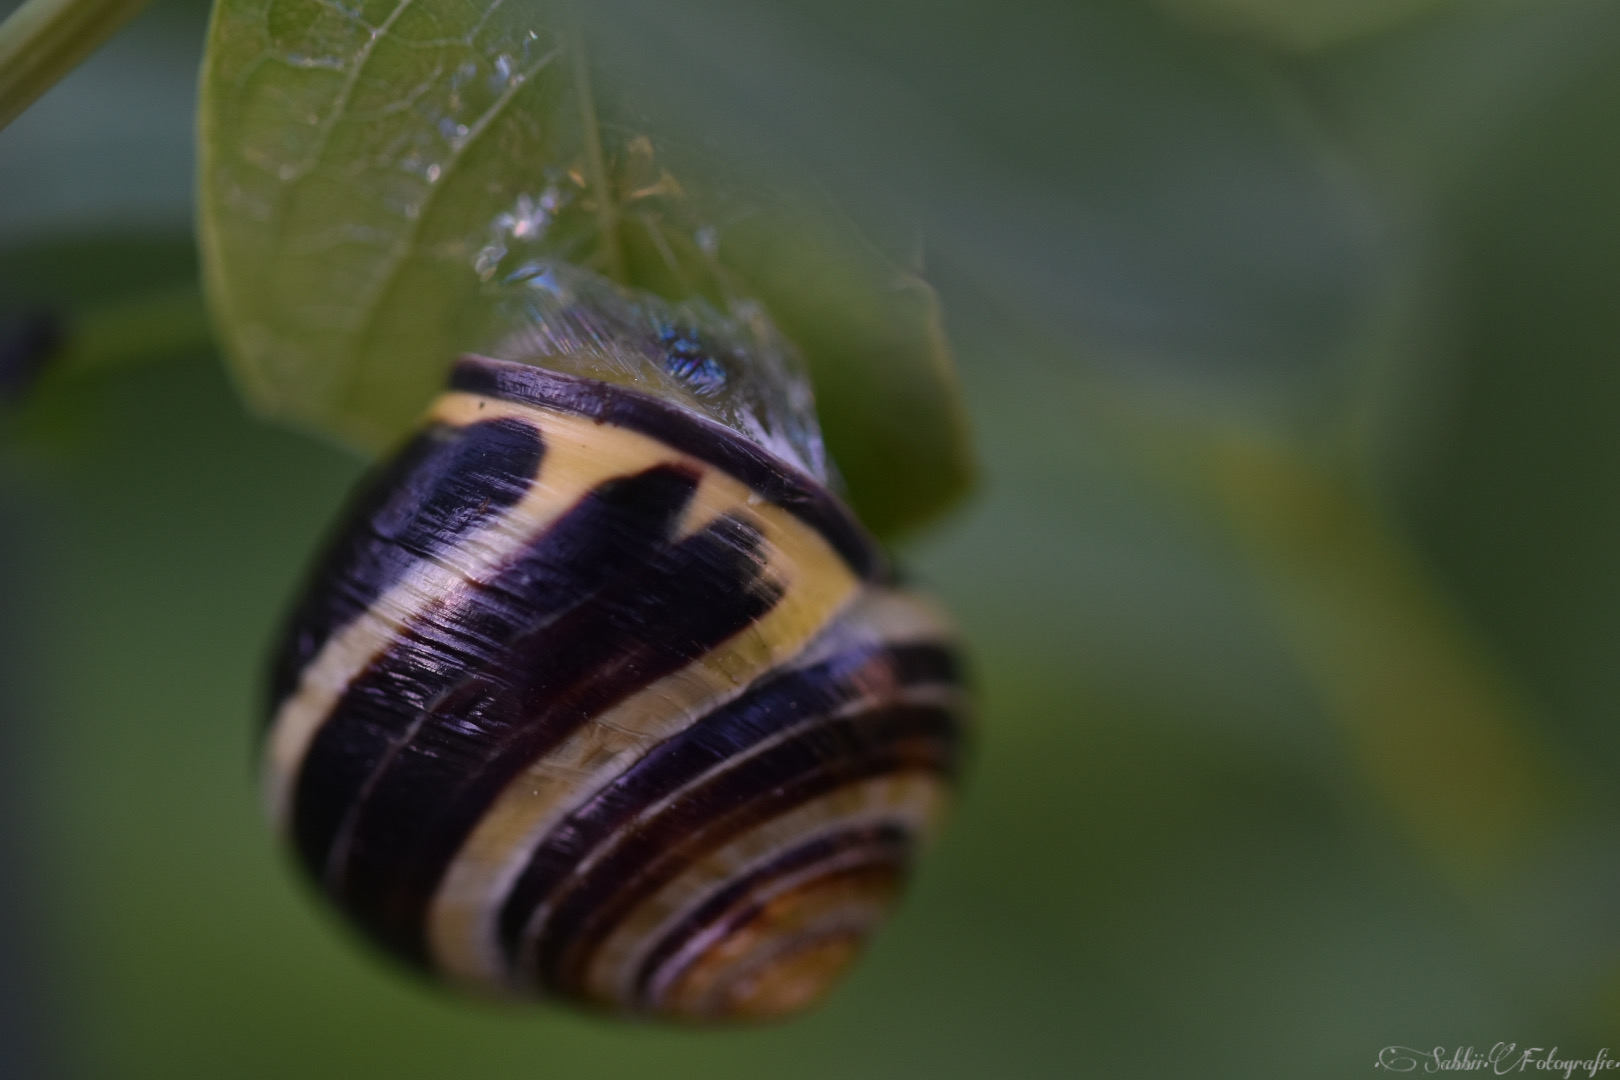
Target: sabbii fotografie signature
column 1503, row 1059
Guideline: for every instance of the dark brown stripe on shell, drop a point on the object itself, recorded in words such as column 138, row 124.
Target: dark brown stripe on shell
column 443, row 485
column 655, row 615
column 896, row 739
column 798, row 698
column 740, row 901
column 774, row 479
column 620, row 523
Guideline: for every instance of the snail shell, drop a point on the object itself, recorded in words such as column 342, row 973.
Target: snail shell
column 593, row 698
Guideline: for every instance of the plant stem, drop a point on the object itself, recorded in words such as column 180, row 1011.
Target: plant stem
column 45, row 39
column 158, row 326
column 1436, row 726
column 1440, row 733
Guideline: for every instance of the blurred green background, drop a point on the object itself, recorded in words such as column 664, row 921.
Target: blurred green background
column 1291, row 333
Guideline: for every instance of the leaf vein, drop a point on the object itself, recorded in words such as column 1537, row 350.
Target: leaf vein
column 402, row 249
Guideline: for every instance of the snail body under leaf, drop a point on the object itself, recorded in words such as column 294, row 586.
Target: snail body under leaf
column 594, row 697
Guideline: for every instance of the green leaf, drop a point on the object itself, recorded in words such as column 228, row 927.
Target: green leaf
column 370, row 172
column 891, row 407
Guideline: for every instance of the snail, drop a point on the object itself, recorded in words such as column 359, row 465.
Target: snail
column 600, row 694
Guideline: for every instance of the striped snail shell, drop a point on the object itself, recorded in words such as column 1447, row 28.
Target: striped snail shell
column 592, row 697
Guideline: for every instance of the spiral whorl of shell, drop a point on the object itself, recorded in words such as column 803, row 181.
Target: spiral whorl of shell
column 593, row 697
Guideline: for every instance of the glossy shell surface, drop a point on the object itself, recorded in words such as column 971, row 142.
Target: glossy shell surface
column 592, row 698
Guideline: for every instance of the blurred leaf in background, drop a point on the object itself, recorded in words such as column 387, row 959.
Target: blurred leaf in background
column 1291, row 585
column 1301, row 25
